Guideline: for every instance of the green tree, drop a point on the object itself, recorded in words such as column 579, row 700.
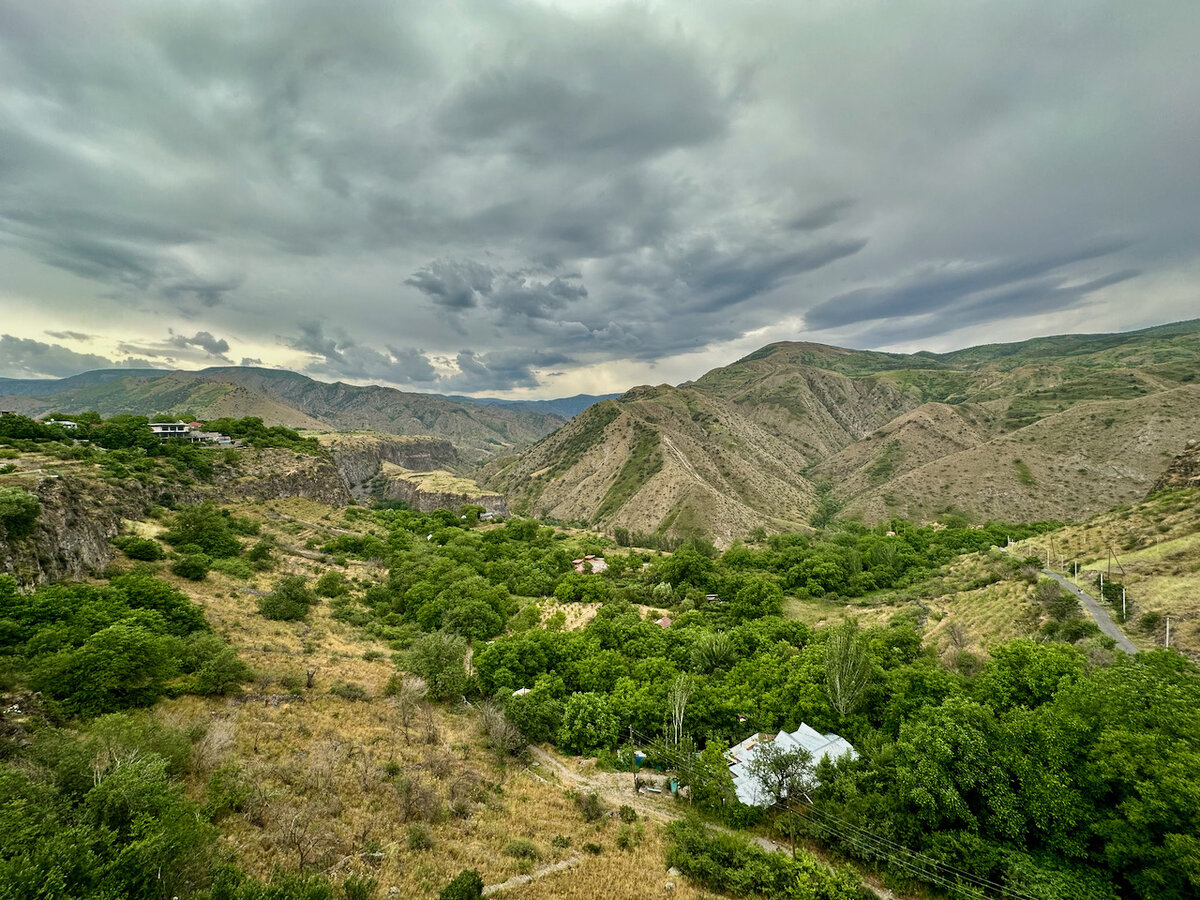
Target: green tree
column 847, row 666
column 587, row 723
column 289, row 601
column 19, row 510
column 440, row 659
column 205, row 526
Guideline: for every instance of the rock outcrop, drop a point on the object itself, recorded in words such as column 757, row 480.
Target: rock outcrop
column 427, row 491
column 70, row 539
column 359, row 457
column 1184, row 472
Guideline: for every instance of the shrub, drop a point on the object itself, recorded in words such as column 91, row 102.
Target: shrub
column 19, row 510
column 419, row 837
column 521, row 848
column 193, row 567
column 359, row 887
column 224, row 674
column 590, row 806
column 467, row 885
column 331, row 584
column 139, row 548
column 233, row 567
column 289, row 601
column 627, row 813
column 348, row 690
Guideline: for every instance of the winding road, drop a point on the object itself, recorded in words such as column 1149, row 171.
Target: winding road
column 1098, row 612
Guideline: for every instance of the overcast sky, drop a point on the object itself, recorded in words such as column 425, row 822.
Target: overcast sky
column 542, row 199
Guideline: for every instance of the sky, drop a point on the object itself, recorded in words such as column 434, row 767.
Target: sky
column 538, row 199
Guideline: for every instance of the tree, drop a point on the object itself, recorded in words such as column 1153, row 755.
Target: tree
column 587, row 724
column 289, row 601
column 193, row 567
column 223, row 674
column 205, row 526
column 440, row 659
column 783, row 773
column 847, row 666
column 19, row 510
column 677, row 699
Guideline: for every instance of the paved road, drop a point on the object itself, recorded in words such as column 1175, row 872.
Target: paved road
column 1099, row 613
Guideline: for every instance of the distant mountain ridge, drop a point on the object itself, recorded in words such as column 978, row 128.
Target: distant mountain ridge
column 1049, row 428
column 282, row 397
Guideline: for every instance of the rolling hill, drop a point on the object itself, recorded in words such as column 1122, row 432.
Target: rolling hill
column 1051, row 428
column 285, row 398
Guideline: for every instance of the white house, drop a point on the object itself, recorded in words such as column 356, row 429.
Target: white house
column 820, row 746
column 166, row 430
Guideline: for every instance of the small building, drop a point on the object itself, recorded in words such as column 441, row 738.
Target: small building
column 168, row 430
column 63, row 423
column 596, row 562
column 520, row 692
column 741, row 756
column 664, row 622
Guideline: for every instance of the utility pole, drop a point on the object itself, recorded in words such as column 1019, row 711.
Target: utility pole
column 1122, row 603
column 1076, row 573
column 1168, row 642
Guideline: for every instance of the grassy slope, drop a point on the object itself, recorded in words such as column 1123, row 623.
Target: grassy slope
column 1056, row 427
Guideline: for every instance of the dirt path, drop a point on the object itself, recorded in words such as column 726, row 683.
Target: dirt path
column 1098, row 612
column 608, row 790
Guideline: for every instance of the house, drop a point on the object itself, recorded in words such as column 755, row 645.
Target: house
column 63, row 423
column 741, row 756
column 168, row 430
column 597, row 563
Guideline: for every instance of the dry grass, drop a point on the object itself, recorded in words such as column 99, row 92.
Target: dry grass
column 336, row 785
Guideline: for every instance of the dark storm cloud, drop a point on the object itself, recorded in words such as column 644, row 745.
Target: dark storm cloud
column 499, row 370
column 452, row 284
column 945, row 289
column 204, row 340
column 606, row 91
column 26, row 358
column 342, row 357
column 621, row 182
column 1037, row 297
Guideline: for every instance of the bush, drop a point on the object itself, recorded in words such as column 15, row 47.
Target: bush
column 521, row 848
column 19, row 510
column 139, row 548
column 419, row 837
column 289, row 601
column 224, row 674
column 331, row 584
column 590, row 806
column 194, row 567
column 627, row 813
column 349, row 691
column 467, row 885
column 233, row 567
column 359, row 887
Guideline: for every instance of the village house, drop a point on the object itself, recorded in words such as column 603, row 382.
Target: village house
column 597, row 564
column 750, row 790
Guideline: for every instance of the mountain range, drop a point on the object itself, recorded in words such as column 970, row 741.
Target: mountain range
column 279, row 397
column 1050, row 428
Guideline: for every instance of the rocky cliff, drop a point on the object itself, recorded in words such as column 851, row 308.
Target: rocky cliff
column 70, row 539
column 274, row 474
column 359, row 457
column 427, row 491
column 1184, row 472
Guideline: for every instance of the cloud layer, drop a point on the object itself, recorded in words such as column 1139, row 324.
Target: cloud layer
column 536, row 198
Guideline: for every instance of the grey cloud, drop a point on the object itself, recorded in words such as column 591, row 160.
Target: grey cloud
column 609, row 181
column 945, row 288
column 250, row 361
column 27, row 358
column 821, row 216
column 70, row 335
column 204, row 340
column 1030, row 298
column 612, row 87
column 343, row 357
column 452, row 284
column 499, row 370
